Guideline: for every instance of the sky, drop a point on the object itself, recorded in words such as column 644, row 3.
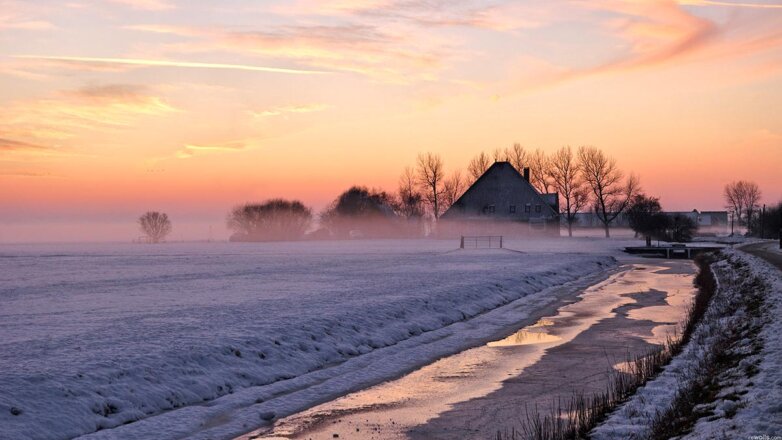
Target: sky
column 111, row 108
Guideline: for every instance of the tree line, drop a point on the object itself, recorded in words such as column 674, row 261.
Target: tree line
column 424, row 192
column 585, row 178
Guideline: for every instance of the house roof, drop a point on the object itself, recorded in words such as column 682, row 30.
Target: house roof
column 494, row 168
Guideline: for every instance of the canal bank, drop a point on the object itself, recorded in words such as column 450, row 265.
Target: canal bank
column 572, row 347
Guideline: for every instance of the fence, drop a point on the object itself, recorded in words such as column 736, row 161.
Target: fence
column 481, row 242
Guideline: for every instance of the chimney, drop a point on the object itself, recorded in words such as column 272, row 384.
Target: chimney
column 526, row 174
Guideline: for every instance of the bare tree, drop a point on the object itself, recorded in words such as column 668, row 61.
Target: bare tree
column 155, row 225
column 478, row 165
column 453, row 187
column 611, row 194
column 517, row 157
column 410, row 199
column 539, row 171
column 742, row 198
column 751, row 200
column 430, row 178
column 499, row 155
column 566, row 179
column 734, row 198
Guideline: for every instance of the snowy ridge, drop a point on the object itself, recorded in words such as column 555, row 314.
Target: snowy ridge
column 749, row 402
column 759, row 412
column 167, row 344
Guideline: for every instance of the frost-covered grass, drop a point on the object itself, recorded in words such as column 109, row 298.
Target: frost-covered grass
column 727, row 382
column 576, row 417
column 98, row 336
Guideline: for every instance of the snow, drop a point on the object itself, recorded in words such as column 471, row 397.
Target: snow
column 732, row 240
column 211, row 340
column 760, row 410
column 748, row 403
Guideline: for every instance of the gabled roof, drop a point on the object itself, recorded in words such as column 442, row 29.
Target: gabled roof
column 495, row 168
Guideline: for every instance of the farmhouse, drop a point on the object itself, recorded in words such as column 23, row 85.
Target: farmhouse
column 502, row 201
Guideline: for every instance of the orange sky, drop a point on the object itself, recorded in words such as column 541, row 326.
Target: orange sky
column 113, row 107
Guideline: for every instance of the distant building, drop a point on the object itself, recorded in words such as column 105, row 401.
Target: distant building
column 589, row 219
column 708, row 221
column 502, row 201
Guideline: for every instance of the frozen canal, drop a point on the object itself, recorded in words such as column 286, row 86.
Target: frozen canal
column 477, row 392
column 214, row 340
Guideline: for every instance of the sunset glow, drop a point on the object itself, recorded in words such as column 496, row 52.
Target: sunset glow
column 110, row 108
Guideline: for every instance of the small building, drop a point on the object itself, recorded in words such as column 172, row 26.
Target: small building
column 718, row 220
column 502, row 201
column 707, row 221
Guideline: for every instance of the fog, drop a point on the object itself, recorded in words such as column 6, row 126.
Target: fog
column 59, row 231
column 78, row 231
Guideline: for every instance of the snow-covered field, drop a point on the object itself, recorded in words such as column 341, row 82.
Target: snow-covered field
column 742, row 326
column 98, row 336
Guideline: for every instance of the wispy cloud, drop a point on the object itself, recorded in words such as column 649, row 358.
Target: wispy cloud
column 191, row 150
column 45, row 125
column 278, row 111
column 25, row 151
column 730, row 4
column 27, row 174
column 130, row 93
column 27, row 25
column 18, row 16
column 651, row 33
column 182, row 31
column 147, row 5
column 356, row 48
column 22, row 70
column 485, row 14
column 14, row 145
column 109, row 105
column 170, row 63
column 658, row 32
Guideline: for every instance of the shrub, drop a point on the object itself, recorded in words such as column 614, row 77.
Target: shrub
column 275, row 219
column 680, row 228
column 360, row 212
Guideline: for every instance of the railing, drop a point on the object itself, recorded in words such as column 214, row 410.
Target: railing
column 481, row 242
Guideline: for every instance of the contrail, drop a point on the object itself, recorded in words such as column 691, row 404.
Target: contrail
column 163, row 63
column 727, row 3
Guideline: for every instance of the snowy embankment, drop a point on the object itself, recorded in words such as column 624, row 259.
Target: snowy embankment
column 727, row 382
column 176, row 339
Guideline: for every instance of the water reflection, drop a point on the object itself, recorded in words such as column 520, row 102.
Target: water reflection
column 531, row 335
column 392, row 409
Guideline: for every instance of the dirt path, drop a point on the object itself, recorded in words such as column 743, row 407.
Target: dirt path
column 479, row 391
column 768, row 251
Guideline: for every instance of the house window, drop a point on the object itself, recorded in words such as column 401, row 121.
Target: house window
column 527, row 208
column 537, row 208
column 491, row 209
column 512, row 209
